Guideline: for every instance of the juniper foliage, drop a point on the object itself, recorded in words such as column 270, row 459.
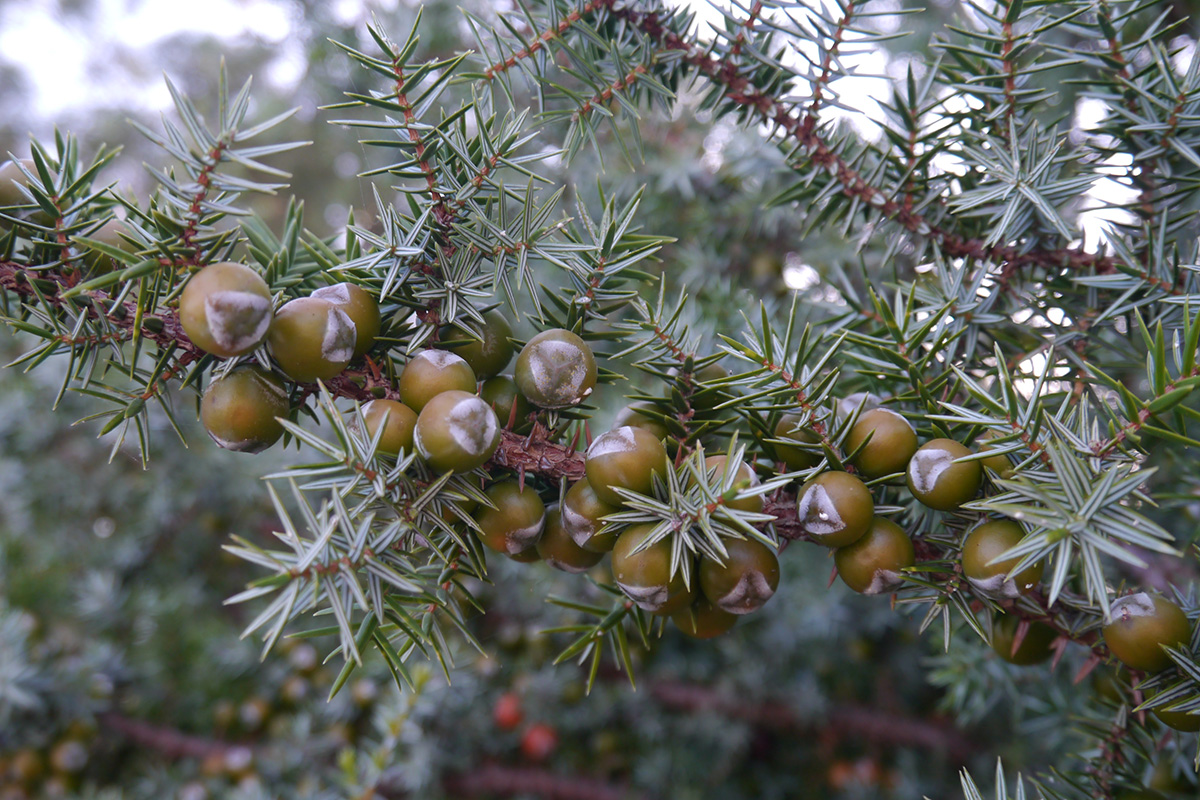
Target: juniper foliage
column 964, row 295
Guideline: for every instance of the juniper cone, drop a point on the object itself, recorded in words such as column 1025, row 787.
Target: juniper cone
column 312, row 339
column 583, row 515
column 875, row 562
column 225, row 309
column 939, row 479
column 430, row 373
column 559, row 550
column 835, row 509
column 456, row 431
column 641, row 415
column 986, row 568
column 514, row 519
column 642, row 568
column 511, row 407
column 360, row 307
column 485, row 346
column 398, row 422
column 578, row 247
column 742, row 581
column 241, row 410
column 555, row 369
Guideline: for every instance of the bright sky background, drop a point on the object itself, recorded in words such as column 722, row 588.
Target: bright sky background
column 87, row 69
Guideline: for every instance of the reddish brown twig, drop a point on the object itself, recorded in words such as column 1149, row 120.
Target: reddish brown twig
column 163, row 329
column 851, row 722
column 603, row 96
column 814, row 149
column 169, row 742
column 195, row 210
column 1143, row 178
column 442, row 212
column 538, row 456
column 831, row 53
column 494, row 780
column 541, row 40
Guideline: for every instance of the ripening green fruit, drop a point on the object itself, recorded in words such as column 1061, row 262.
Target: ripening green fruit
column 239, row 410
column 398, row 421
column 1166, row 778
column 745, row 478
column 312, row 339
column 987, row 542
column 526, row 556
column 857, row 403
column 502, row 395
column 641, row 415
column 556, row 369
column 1179, row 720
column 937, row 481
column 360, row 307
column 453, row 502
column 487, row 355
column 711, row 372
column 1035, row 647
column 892, row 443
column 1140, row 625
column 796, row 458
column 1110, row 684
column 558, row 549
column 874, row 563
column 747, row 579
column 706, row 399
column 624, row 458
column 680, row 598
column 225, row 309
column 835, row 508
column 582, row 514
column 645, row 576
column 703, row 620
column 11, row 178
column 431, row 372
column 516, row 522
column 998, row 463
column 456, row 431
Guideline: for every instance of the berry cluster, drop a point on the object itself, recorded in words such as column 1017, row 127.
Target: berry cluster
column 453, row 403
column 226, row 309
column 836, row 509
column 450, row 404
column 454, row 424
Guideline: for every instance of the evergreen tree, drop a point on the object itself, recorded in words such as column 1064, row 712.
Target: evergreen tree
column 974, row 408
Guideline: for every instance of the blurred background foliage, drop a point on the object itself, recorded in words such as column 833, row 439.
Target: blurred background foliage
column 121, row 672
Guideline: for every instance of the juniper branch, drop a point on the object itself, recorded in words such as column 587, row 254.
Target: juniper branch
column 494, row 780
column 850, row 721
column 525, row 455
column 741, row 90
column 169, row 742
